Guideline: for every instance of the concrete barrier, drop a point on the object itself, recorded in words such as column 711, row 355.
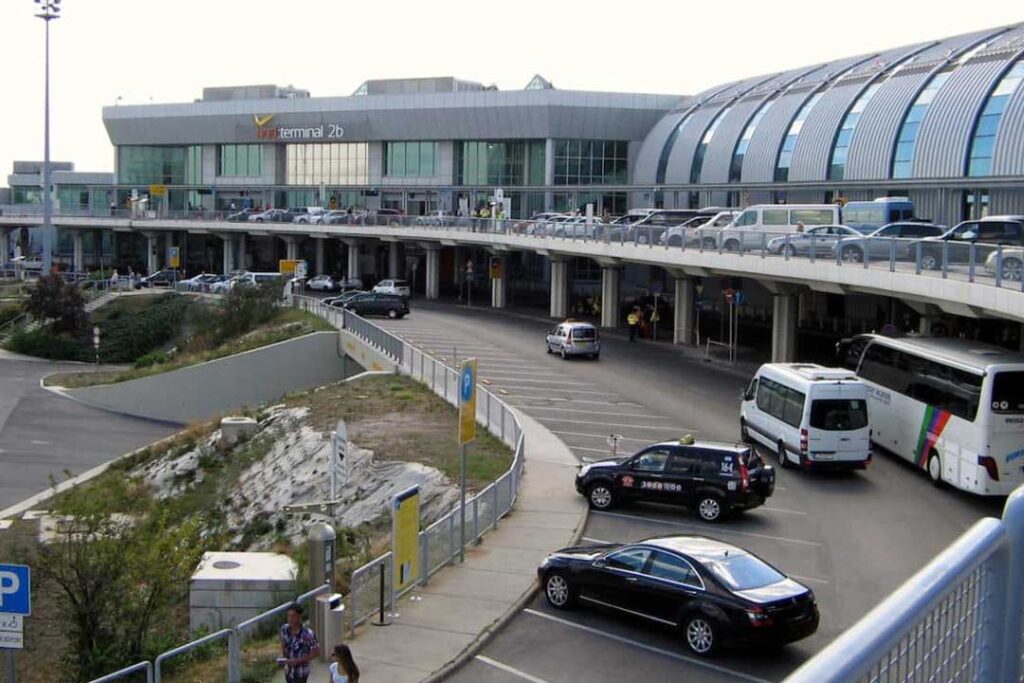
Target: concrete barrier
column 227, row 384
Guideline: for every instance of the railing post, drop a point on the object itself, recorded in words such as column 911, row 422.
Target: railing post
column 1013, row 604
column 972, row 258
column 476, row 518
column 764, row 243
column 424, row 558
column 839, row 250
column 945, row 258
column 495, row 505
column 999, row 266
column 487, row 400
column 700, row 238
column 917, row 257
column 453, row 545
column 892, row 254
column 235, row 657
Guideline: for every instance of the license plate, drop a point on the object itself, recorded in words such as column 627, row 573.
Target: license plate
column 824, row 456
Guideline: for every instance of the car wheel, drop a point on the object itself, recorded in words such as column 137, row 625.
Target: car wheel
column 392, row 313
column 559, row 591
column 783, row 458
column 596, row 356
column 564, row 356
column 701, row 634
column 709, row 243
column 259, row 220
column 935, row 469
column 547, row 348
column 1013, row 269
column 675, row 241
column 710, row 507
column 732, row 245
column 600, row 496
column 852, row 255
column 931, row 261
column 789, row 251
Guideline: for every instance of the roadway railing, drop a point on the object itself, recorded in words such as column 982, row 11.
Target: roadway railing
column 958, row 619
column 439, row 543
column 968, row 259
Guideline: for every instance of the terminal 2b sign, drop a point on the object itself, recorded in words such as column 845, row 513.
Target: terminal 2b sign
column 321, row 131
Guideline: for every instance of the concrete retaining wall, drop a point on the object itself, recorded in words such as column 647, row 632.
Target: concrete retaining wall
column 226, row 384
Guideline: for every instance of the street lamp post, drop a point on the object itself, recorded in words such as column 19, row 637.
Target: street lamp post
column 48, row 11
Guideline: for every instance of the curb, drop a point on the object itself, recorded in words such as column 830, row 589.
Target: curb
column 486, row 635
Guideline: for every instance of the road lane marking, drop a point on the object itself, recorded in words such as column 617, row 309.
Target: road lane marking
column 782, row 511
column 594, row 450
column 564, row 391
column 508, row 669
column 704, row 527
column 592, row 412
column 598, row 436
column 663, row 428
column 645, row 646
column 553, row 382
column 532, row 397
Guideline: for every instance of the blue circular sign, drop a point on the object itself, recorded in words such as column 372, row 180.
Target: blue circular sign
column 467, row 383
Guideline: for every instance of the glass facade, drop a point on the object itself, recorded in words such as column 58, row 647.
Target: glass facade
column 789, row 143
column 698, row 156
column 736, row 164
column 147, row 165
column 410, row 159
column 837, row 165
column 237, row 161
column 335, row 163
column 591, row 162
column 536, row 162
column 979, row 162
column 490, row 162
column 903, row 159
column 666, row 151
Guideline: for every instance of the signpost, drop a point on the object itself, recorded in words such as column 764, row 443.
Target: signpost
column 405, row 530
column 175, row 257
column 15, row 603
column 469, row 282
column 96, row 342
column 467, row 433
column 339, row 462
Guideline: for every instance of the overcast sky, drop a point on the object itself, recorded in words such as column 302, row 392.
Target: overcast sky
column 144, row 50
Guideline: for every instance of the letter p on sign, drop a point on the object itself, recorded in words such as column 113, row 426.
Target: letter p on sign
column 15, row 589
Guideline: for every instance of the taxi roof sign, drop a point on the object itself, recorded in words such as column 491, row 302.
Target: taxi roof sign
column 686, row 440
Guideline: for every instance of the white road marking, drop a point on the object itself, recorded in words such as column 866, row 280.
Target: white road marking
column 594, row 450
column 508, row 669
column 552, row 382
column 569, row 401
column 594, row 412
column 664, row 428
column 645, row 646
column 564, row 391
column 597, row 436
column 782, row 511
column 704, row 527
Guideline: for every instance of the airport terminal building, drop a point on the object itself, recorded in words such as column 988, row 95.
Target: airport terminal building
column 941, row 122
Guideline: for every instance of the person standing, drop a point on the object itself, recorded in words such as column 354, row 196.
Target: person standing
column 633, row 320
column 343, row 669
column 298, row 646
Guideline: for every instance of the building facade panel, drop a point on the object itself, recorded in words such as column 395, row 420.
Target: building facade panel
column 646, row 167
column 720, row 149
column 681, row 157
column 945, row 134
column 759, row 162
column 1008, row 156
column 813, row 147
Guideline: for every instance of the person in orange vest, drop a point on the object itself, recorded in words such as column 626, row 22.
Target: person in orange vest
column 633, row 321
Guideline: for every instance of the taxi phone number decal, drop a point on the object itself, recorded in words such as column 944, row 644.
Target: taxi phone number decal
column 661, row 486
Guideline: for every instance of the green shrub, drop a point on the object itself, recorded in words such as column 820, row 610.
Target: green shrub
column 151, row 358
column 130, row 337
column 44, row 343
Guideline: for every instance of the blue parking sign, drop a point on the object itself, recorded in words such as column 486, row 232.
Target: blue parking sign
column 15, row 589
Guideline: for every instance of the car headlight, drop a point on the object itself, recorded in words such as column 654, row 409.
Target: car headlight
column 583, row 471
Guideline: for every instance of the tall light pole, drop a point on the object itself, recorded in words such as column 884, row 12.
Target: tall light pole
column 48, row 11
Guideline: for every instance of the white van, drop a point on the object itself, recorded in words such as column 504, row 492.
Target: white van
column 809, row 415
column 758, row 224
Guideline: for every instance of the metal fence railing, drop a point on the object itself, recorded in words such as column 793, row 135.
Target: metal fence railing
column 958, row 619
column 992, row 261
column 439, row 542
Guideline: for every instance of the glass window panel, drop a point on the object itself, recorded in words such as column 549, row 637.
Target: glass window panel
column 980, row 166
column 901, row 169
column 997, row 105
column 988, row 125
column 983, row 146
column 916, row 113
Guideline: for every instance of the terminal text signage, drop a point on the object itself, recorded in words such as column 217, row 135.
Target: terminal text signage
column 322, row 131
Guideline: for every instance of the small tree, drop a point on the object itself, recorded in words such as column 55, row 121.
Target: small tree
column 52, row 299
column 247, row 306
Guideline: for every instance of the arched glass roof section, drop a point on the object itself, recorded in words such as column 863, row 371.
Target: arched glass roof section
column 789, row 143
column 736, row 165
column 698, row 156
column 979, row 160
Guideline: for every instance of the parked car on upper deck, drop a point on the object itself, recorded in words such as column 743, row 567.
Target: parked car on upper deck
column 701, row 229
column 272, row 216
column 986, row 234
column 818, row 240
column 880, row 243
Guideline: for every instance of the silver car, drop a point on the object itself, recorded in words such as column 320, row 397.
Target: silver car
column 702, row 228
column 819, row 239
column 894, row 238
column 573, row 338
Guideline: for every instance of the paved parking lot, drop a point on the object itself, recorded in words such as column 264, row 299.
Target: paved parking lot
column 44, row 435
column 851, row 537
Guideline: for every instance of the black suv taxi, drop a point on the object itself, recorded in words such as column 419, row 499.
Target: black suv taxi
column 713, row 478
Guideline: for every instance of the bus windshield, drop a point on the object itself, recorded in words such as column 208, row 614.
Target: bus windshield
column 1008, row 392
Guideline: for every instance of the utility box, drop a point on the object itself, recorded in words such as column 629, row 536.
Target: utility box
column 228, row 588
column 329, row 623
column 321, row 554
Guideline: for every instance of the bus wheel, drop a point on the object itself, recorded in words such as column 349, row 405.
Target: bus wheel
column 935, row 468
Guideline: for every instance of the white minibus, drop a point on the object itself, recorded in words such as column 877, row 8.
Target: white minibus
column 758, row 224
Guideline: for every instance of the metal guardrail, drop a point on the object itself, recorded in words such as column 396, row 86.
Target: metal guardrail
column 958, row 619
column 127, row 671
column 227, row 633
column 439, row 543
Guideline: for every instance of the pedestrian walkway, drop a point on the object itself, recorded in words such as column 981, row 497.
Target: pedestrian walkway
column 446, row 621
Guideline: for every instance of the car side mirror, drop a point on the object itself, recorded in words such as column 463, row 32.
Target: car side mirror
column 970, row 235
column 600, row 563
column 744, row 395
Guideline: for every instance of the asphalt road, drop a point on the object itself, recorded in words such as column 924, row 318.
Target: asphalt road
column 43, row 434
column 852, row 537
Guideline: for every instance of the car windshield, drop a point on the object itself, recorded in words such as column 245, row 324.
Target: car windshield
column 584, row 333
column 839, row 415
column 743, row 572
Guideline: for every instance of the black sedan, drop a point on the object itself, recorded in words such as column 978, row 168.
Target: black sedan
column 713, row 592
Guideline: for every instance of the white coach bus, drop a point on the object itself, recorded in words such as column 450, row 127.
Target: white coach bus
column 954, row 407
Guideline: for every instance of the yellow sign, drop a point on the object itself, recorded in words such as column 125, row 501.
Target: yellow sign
column 287, row 266
column 467, row 401
column 405, row 534
column 261, row 121
column 157, row 190
column 175, row 257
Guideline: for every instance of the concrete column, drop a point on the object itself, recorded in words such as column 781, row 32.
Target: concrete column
column 610, row 297
column 78, row 240
column 499, row 285
column 5, row 246
column 229, row 261
column 152, row 254
column 373, row 247
column 240, row 251
column 784, row 326
column 393, row 269
column 291, row 248
column 684, row 314
column 319, row 256
column 559, row 288
column 352, row 251
column 168, row 243
column 433, row 272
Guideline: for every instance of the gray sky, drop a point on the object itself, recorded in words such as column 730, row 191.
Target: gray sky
column 167, row 51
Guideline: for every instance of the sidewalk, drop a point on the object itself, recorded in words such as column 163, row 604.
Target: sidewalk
column 463, row 605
